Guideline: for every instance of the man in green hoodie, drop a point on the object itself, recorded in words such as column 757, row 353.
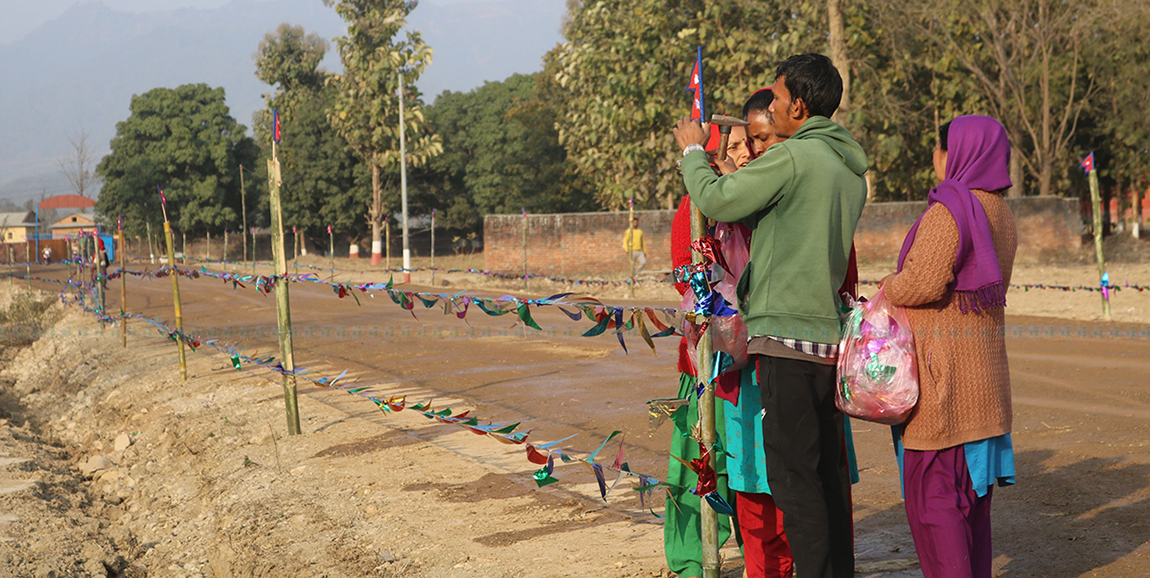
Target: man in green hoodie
column 802, row 199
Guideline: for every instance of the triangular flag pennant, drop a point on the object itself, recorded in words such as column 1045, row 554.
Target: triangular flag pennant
column 696, row 85
column 1088, row 163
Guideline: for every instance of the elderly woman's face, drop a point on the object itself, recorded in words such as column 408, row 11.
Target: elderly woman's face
column 939, row 163
column 737, row 147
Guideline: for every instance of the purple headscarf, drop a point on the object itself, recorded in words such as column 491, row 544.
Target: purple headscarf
column 978, row 157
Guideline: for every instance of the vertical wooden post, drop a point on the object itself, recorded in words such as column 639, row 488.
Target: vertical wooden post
column 433, row 247
column 151, row 252
column 123, row 289
column 244, row 211
column 1096, row 201
column 184, row 246
column 170, row 242
column 710, row 519
column 631, row 240
column 295, row 249
column 253, row 251
column 283, row 303
column 387, row 243
column 225, row 259
column 27, row 261
column 101, row 273
column 524, row 249
column 331, row 252
column 403, row 185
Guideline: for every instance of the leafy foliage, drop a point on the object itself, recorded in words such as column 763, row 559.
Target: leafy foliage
column 365, row 110
column 501, row 153
column 185, row 141
column 319, row 169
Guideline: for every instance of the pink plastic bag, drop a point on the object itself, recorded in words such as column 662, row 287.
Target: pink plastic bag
column 877, row 368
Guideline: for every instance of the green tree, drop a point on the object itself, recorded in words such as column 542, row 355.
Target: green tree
column 624, row 69
column 365, row 110
column 319, row 169
column 501, row 153
column 185, row 141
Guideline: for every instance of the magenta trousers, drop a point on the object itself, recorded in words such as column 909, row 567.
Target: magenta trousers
column 949, row 522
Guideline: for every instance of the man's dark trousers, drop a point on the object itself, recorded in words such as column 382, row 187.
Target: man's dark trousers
column 806, row 464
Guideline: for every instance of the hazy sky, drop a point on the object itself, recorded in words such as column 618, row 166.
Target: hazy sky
column 19, row 17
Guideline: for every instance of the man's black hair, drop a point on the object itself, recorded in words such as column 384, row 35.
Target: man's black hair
column 813, row 78
column 759, row 102
column 943, row 133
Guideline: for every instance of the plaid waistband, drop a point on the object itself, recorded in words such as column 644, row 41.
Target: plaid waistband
column 823, row 350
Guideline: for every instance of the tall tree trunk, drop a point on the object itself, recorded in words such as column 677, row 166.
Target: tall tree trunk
column 839, row 57
column 1045, row 175
column 1017, row 169
column 376, row 213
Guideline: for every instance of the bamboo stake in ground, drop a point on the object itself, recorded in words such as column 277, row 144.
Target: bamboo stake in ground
column 433, row 246
column 253, row 251
column 101, row 273
column 209, row 243
column 28, row 262
column 170, row 242
column 184, row 245
column 710, row 519
column 331, row 252
column 225, row 259
column 123, row 287
column 387, row 243
column 283, row 303
column 524, row 249
column 151, row 252
column 1096, row 202
column 244, row 210
column 631, row 240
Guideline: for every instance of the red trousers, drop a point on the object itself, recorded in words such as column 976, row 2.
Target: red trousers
column 766, row 552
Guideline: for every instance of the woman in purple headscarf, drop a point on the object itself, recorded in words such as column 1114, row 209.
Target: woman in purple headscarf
column 953, row 272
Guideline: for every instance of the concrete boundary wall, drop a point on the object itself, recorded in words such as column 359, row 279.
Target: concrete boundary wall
column 582, row 244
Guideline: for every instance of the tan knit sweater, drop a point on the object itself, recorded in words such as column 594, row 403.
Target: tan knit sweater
column 963, row 376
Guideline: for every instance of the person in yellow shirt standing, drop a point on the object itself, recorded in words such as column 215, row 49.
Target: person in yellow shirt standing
column 635, row 250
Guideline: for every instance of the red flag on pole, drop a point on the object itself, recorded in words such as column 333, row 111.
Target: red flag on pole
column 276, row 125
column 696, row 85
column 1088, row 163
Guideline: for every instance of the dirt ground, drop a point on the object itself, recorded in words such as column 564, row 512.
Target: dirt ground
column 201, row 480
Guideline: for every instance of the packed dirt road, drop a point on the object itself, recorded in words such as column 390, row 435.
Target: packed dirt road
column 209, row 484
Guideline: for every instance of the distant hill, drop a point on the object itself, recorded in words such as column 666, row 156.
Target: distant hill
column 81, row 69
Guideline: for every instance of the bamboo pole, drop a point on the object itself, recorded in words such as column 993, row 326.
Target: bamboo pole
column 184, row 246
column 710, row 519
column 295, row 249
column 123, row 289
column 253, row 251
column 433, row 247
column 283, row 303
column 631, row 240
column 101, row 273
column 225, row 259
column 331, row 252
column 524, row 249
column 244, row 210
column 170, row 242
column 27, row 261
column 209, row 243
column 1096, row 201
column 151, row 252
column 387, row 243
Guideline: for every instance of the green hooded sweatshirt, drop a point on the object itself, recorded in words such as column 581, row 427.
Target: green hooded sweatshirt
column 802, row 200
